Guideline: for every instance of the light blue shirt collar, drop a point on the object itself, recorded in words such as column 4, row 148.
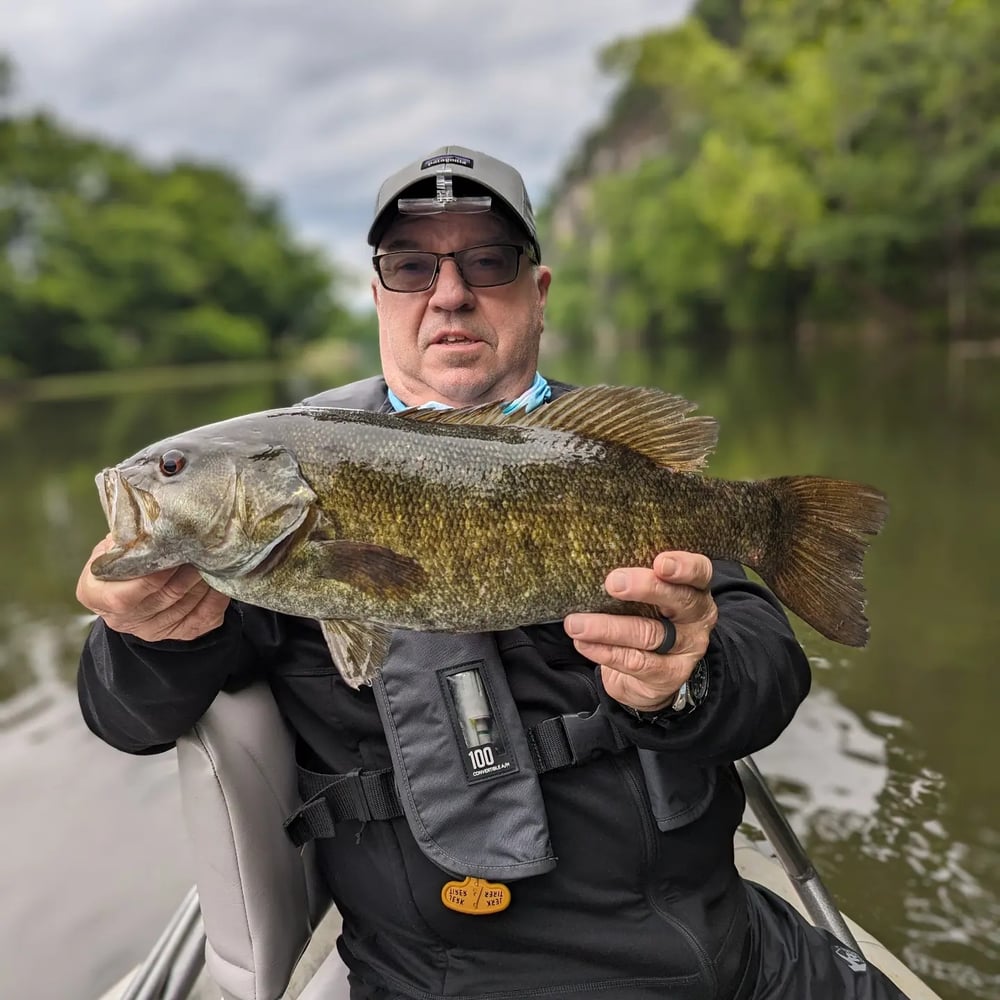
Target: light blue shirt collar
column 537, row 393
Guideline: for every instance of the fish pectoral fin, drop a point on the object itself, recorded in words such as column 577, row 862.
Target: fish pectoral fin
column 358, row 648
column 371, row 568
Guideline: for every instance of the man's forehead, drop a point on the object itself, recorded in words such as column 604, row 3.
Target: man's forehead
column 413, row 230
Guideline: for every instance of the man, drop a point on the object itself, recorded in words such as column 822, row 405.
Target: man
column 618, row 874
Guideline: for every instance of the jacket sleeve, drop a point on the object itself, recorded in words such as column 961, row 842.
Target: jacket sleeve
column 758, row 677
column 140, row 696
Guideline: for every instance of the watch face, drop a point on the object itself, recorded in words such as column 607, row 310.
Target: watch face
column 698, row 683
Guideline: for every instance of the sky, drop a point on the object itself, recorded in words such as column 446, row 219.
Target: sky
column 316, row 101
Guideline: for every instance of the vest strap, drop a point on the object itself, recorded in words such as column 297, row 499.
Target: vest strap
column 556, row 743
column 568, row 740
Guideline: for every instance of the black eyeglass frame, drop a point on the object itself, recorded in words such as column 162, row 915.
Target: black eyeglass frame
column 523, row 249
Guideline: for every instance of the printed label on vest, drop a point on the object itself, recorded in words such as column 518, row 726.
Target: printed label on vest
column 479, row 730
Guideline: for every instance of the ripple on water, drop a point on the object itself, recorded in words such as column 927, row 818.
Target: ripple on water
column 874, row 817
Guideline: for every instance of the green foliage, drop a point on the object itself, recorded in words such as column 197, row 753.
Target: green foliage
column 106, row 262
column 820, row 162
column 723, row 18
column 6, row 75
column 208, row 333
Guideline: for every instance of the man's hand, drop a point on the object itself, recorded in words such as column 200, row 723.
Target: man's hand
column 170, row 604
column 624, row 645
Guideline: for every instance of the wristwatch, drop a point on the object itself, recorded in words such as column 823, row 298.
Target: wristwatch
column 688, row 697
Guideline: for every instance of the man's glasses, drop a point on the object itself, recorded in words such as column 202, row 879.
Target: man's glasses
column 480, row 267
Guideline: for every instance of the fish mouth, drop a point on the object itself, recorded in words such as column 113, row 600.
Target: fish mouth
column 120, row 507
column 130, row 513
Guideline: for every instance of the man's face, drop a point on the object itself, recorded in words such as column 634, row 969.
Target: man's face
column 459, row 345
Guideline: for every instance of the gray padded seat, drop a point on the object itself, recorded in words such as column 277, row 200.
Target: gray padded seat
column 260, row 896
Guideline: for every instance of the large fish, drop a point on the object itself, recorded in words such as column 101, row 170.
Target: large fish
column 469, row 520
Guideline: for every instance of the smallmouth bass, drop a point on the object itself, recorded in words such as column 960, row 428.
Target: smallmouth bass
column 471, row 521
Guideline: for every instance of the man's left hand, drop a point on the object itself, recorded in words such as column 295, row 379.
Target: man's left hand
column 624, row 645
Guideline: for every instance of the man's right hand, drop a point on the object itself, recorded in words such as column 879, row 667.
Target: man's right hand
column 171, row 604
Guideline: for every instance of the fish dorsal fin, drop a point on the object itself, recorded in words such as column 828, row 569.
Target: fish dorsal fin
column 649, row 421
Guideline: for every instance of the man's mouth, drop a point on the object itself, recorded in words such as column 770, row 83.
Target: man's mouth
column 454, row 338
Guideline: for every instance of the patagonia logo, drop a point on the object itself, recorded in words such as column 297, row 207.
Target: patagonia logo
column 852, row 958
column 436, row 161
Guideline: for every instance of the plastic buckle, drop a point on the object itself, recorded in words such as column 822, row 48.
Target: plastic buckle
column 588, row 734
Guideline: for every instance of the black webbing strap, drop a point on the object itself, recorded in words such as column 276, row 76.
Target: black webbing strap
column 562, row 741
column 363, row 795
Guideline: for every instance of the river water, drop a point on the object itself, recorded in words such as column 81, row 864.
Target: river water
column 890, row 772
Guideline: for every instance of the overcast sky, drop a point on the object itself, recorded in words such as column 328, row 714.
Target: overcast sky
column 316, row 101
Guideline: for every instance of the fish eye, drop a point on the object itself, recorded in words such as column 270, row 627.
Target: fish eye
column 172, row 462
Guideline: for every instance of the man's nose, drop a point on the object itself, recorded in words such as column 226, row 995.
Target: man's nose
column 450, row 290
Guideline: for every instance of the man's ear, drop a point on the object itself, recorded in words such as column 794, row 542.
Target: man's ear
column 543, row 278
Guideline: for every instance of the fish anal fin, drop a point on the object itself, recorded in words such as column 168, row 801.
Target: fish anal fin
column 371, row 568
column 649, row 421
column 358, row 649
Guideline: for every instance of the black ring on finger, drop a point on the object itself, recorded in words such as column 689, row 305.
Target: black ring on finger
column 669, row 637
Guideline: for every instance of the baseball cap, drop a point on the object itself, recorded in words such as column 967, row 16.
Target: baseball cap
column 474, row 171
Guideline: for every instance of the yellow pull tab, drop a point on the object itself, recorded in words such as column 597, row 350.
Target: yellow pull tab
column 475, row 895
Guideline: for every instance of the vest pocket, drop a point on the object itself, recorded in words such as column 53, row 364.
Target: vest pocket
column 463, row 770
column 679, row 793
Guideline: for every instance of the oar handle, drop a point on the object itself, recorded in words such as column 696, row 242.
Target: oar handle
column 815, row 896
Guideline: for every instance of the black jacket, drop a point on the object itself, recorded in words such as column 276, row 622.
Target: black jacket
column 629, row 912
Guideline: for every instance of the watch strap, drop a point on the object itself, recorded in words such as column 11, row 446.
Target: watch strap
column 684, row 702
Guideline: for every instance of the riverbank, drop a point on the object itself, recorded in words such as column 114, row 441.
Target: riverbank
column 318, row 360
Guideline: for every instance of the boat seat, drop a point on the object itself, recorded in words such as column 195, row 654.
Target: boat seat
column 260, row 896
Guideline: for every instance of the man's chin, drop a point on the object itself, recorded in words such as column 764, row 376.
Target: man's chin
column 463, row 385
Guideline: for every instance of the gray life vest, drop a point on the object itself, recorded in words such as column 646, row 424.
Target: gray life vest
column 465, row 771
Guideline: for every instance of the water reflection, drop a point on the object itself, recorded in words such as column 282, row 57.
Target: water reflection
column 93, row 855
column 821, row 799
column 37, row 662
column 888, row 772
column 874, row 819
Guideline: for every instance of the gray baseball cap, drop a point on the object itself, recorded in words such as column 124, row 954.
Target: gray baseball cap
column 475, row 173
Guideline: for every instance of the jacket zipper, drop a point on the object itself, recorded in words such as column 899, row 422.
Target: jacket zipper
column 706, row 968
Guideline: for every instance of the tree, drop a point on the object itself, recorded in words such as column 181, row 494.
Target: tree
column 6, row 77
column 818, row 160
column 724, row 19
column 106, row 262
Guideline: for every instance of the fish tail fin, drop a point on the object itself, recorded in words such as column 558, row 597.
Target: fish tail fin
column 814, row 560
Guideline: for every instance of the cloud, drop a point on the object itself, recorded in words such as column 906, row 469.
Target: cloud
column 315, row 101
